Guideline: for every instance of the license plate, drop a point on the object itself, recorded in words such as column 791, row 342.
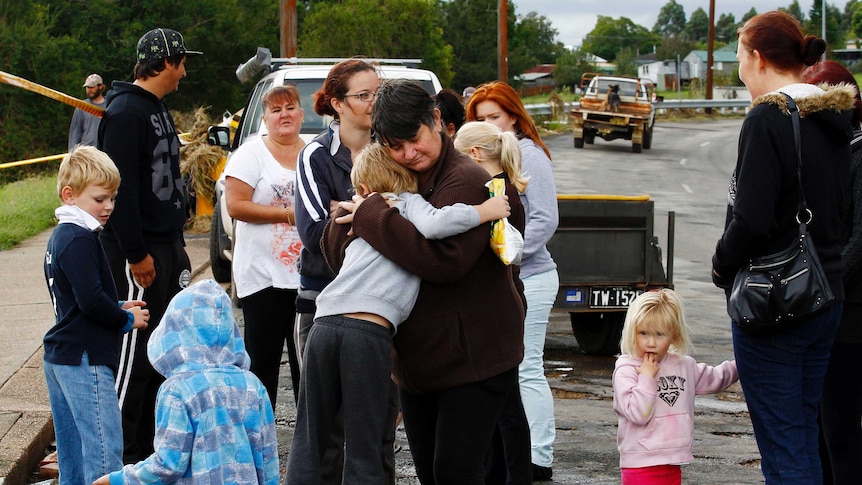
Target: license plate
column 612, row 297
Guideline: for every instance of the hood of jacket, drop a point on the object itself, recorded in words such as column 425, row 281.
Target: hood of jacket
column 830, row 105
column 197, row 332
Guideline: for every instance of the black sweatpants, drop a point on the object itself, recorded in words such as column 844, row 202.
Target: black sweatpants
column 269, row 315
column 137, row 381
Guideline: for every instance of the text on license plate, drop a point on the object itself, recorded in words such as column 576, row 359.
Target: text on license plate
column 612, row 297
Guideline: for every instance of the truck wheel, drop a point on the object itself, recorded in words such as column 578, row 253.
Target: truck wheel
column 579, row 143
column 590, row 138
column 637, row 147
column 648, row 138
column 219, row 265
column 598, row 333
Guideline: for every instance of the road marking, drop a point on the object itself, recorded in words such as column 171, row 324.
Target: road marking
column 687, row 188
column 682, row 162
column 704, row 144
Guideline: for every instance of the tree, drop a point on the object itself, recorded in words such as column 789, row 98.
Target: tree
column 610, row 36
column 571, row 65
column 725, row 28
column 795, row 10
column 748, row 15
column 532, row 42
column 671, row 47
column 626, row 62
column 697, row 27
column 471, row 30
column 375, row 28
column 671, row 20
column 834, row 36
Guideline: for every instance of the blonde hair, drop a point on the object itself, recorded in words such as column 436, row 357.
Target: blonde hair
column 379, row 172
column 663, row 310
column 496, row 145
column 85, row 166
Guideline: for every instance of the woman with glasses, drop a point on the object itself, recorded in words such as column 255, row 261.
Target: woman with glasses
column 323, row 179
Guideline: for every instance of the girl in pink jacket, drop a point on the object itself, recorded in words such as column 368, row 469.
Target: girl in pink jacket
column 655, row 382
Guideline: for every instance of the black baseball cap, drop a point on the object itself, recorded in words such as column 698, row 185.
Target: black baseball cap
column 162, row 43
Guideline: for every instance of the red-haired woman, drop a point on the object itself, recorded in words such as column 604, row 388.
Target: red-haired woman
column 841, row 404
column 497, row 103
column 782, row 371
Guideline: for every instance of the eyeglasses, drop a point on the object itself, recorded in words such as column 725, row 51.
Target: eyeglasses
column 365, row 97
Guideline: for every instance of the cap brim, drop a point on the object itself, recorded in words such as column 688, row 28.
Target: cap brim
column 193, row 53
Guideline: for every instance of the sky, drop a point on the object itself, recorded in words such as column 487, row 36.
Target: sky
column 574, row 19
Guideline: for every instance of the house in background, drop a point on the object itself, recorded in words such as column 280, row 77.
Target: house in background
column 664, row 74
column 722, row 60
column 537, row 80
column 850, row 54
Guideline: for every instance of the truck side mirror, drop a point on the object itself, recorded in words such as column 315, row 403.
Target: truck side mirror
column 219, row 136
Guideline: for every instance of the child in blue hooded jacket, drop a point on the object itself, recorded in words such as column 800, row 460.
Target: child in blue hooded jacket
column 214, row 421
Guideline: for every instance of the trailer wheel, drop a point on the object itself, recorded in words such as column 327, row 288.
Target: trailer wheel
column 579, row 142
column 637, row 147
column 598, row 333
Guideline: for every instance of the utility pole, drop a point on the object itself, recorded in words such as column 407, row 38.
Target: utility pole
column 287, row 21
column 709, row 56
column 823, row 25
column 502, row 46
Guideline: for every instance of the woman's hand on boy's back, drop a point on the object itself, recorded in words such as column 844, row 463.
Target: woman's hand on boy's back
column 142, row 315
column 649, row 367
column 103, row 480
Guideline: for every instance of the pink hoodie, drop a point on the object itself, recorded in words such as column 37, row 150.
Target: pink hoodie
column 656, row 416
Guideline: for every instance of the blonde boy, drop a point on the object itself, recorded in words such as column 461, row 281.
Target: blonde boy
column 81, row 348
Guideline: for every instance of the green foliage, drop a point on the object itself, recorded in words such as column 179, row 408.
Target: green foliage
column 671, row 47
column 27, row 208
column 671, row 20
column 571, row 65
column 697, row 27
column 532, row 42
column 626, row 62
column 610, row 36
column 795, row 10
column 725, row 28
column 751, row 13
column 471, row 30
column 374, row 28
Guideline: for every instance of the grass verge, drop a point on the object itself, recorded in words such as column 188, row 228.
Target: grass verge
column 26, row 208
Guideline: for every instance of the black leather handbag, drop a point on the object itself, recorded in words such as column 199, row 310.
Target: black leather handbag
column 784, row 287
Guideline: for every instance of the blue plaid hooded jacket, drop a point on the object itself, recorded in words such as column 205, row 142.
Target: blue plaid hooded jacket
column 214, row 421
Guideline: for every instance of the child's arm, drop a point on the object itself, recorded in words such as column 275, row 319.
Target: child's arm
column 434, row 223
column 712, row 379
column 139, row 315
column 634, row 393
column 494, row 208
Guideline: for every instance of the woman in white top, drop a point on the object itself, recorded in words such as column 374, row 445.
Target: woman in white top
column 260, row 184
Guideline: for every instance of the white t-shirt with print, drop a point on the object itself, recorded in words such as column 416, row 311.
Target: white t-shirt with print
column 264, row 255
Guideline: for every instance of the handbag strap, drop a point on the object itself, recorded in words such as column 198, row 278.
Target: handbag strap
column 797, row 141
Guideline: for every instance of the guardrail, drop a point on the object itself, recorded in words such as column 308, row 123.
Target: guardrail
column 544, row 109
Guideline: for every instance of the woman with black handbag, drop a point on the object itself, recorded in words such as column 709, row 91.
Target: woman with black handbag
column 783, row 184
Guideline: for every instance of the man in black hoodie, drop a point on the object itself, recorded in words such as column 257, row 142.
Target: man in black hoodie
column 144, row 242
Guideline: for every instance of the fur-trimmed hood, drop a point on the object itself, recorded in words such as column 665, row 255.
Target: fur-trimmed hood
column 840, row 97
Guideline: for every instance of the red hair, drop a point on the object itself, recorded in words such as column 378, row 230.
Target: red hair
column 778, row 37
column 503, row 94
column 831, row 72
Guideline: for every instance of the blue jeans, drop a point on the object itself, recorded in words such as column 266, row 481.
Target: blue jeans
column 782, row 377
column 540, row 291
column 87, row 421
